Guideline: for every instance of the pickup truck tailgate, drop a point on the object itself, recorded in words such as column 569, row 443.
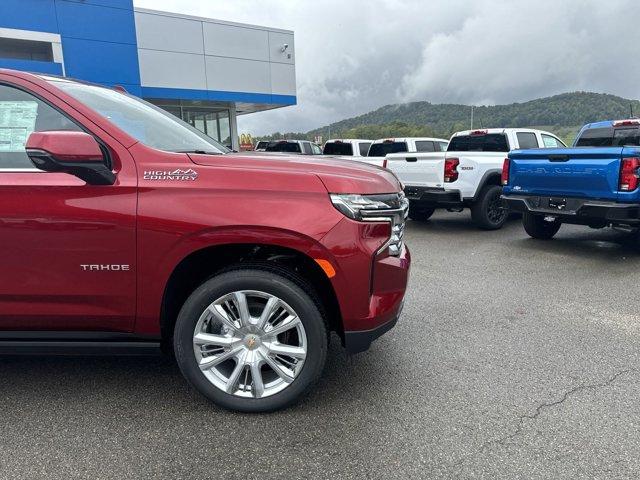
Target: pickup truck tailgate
column 571, row 172
column 418, row 169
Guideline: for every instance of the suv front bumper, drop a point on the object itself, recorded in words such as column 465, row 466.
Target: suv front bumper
column 580, row 211
column 369, row 284
column 360, row 341
column 388, row 284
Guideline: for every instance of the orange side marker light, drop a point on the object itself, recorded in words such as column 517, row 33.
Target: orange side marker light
column 326, row 267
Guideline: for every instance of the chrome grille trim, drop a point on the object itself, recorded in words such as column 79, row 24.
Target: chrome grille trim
column 397, row 217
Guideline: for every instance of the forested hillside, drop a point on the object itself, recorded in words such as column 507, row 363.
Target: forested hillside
column 563, row 114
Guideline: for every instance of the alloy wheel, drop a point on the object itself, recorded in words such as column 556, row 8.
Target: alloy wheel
column 250, row 344
column 495, row 210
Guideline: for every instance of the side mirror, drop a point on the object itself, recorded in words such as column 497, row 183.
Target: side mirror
column 76, row 153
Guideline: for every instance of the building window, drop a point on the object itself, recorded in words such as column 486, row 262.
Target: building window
column 26, row 49
column 214, row 123
column 212, row 120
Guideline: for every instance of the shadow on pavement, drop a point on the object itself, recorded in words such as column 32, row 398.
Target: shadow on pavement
column 605, row 244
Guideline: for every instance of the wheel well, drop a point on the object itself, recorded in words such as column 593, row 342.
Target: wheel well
column 492, row 179
column 203, row 264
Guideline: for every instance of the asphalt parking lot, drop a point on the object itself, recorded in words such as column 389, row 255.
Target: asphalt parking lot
column 514, row 359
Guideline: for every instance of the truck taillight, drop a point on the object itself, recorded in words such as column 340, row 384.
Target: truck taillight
column 451, row 169
column 629, row 174
column 505, row 172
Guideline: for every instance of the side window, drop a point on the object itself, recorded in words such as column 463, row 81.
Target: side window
column 307, row 148
column 425, row 146
column 21, row 114
column 364, row 148
column 551, row 142
column 443, row 146
column 316, row 149
column 527, row 140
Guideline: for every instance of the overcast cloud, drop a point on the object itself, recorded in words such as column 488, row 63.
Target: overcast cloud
column 354, row 56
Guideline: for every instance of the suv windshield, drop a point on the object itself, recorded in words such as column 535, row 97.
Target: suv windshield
column 284, row 146
column 143, row 121
column 338, row 148
column 385, row 148
column 493, row 142
column 609, row 137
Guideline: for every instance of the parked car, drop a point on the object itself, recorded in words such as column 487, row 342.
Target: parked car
column 467, row 175
column 383, row 147
column 347, row 147
column 303, row 147
column 595, row 183
column 261, row 146
column 126, row 230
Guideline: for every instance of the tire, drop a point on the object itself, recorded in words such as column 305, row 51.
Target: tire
column 419, row 213
column 537, row 227
column 487, row 211
column 248, row 348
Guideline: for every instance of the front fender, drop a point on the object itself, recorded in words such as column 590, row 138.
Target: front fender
column 156, row 270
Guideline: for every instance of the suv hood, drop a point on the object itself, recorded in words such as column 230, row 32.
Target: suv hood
column 338, row 176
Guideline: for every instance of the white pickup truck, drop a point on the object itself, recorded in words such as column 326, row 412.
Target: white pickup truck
column 347, row 147
column 467, row 175
column 381, row 148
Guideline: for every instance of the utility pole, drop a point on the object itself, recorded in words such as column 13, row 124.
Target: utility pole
column 471, row 117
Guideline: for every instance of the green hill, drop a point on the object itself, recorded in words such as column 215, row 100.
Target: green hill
column 563, row 114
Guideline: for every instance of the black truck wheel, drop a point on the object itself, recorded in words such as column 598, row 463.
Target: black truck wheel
column 487, row 211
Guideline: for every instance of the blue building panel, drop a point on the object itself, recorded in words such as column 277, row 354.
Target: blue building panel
column 284, row 99
column 216, row 95
column 126, row 4
column 38, row 15
column 101, row 62
column 96, row 22
column 34, row 66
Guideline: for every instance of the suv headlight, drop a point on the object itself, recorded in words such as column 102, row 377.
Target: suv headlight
column 392, row 208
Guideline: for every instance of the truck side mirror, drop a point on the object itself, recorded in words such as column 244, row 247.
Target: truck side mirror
column 76, row 153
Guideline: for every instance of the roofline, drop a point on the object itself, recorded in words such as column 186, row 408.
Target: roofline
column 404, row 139
column 501, row 130
column 348, row 140
column 209, row 20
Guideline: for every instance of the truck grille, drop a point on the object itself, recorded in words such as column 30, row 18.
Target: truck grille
column 397, row 226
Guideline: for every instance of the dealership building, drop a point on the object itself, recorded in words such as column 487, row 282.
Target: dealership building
column 203, row 70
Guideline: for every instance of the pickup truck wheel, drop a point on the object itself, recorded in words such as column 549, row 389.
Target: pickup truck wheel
column 420, row 214
column 537, row 227
column 251, row 340
column 487, row 211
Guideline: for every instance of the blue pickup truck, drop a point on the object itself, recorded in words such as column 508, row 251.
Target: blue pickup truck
column 595, row 183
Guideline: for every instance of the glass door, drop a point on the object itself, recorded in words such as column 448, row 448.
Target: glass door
column 214, row 123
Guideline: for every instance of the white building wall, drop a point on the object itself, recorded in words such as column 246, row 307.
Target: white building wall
column 195, row 53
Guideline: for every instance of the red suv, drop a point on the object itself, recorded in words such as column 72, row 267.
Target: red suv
column 125, row 230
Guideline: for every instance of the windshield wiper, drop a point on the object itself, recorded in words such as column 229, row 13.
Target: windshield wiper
column 200, row 152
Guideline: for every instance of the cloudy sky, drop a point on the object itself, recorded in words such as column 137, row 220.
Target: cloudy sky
column 353, row 56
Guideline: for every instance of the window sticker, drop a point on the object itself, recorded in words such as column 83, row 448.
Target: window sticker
column 17, row 121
